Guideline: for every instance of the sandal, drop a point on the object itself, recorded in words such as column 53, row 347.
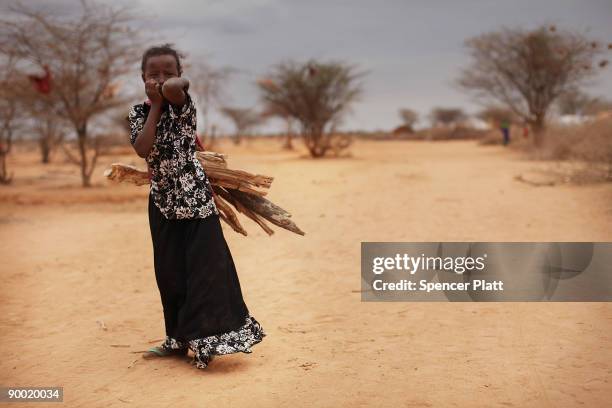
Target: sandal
column 160, row 351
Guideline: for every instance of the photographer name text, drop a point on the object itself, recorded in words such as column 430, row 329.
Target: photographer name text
column 414, row 264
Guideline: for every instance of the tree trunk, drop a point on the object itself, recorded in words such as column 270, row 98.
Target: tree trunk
column 82, row 139
column 49, row 136
column 237, row 138
column 45, row 150
column 4, row 177
column 315, row 141
column 316, row 147
column 288, row 140
column 5, row 147
column 538, row 127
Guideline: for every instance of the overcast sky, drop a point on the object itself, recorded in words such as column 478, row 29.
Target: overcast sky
column 412, row 50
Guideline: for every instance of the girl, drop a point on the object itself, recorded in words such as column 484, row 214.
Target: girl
column 200, row 292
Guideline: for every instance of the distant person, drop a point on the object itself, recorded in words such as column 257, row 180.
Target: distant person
column 200, row 292
column 505, row 128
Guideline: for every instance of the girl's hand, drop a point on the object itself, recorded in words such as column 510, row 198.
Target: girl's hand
column 152, row 89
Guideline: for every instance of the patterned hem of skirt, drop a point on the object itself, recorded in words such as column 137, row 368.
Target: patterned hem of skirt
column 171, row 343
column 204, row 349
column 239, row 340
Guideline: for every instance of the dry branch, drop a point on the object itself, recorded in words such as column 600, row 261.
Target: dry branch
column 229, row 216
column 124, row 172
column 267, row 209
column 240, row 207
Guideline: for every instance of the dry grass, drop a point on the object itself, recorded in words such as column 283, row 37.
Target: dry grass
column 435, row 134
column 585, row 150
column 452, row 133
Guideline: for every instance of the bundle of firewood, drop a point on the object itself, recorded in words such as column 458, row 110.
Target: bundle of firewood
column 240, row 189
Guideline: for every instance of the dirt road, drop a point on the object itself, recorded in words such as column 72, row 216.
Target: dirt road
column 78, row 294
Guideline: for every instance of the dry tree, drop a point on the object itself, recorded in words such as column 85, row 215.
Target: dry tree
column 82, row 57
column 316, row 95
column 528, row 70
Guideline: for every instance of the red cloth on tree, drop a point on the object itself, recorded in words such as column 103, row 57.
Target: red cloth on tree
column 42, row 83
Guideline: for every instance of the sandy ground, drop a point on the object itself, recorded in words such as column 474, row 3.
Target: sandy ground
column 73, row 257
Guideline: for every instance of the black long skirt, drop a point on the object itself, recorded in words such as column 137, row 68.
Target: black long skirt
column 200, row 292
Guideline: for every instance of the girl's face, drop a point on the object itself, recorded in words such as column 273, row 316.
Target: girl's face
column 160, row 68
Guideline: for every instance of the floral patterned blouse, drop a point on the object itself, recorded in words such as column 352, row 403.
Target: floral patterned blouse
column 179, row 186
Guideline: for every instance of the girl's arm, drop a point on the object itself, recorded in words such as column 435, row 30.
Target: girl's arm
column 174, row 90
column 146, row 138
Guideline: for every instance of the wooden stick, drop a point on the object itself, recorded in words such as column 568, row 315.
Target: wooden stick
column 241, row 208
column 228, row 215
column 267, row 209
column 124, row 172
column 534, row 183
column 236, row 186
column 212, row 158
column 239, row 176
